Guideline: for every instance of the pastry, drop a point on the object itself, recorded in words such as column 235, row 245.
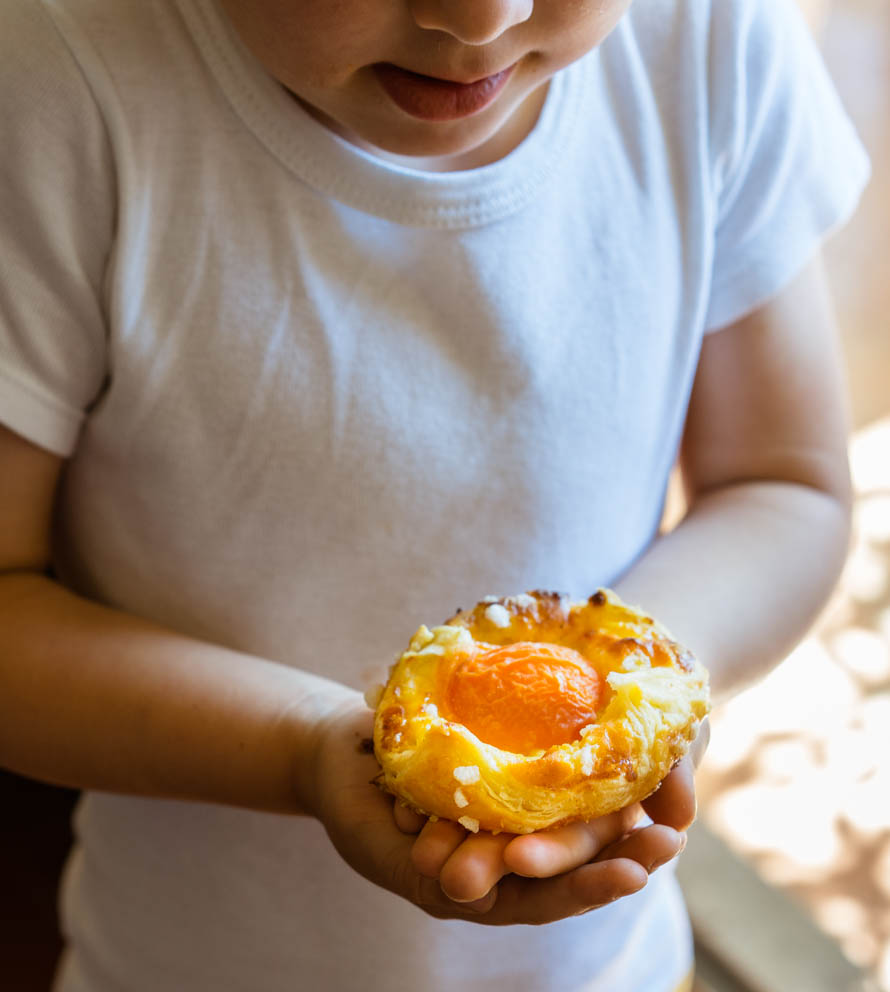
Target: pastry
column 530, row 711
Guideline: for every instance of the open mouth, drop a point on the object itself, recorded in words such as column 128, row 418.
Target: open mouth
column 431, row 99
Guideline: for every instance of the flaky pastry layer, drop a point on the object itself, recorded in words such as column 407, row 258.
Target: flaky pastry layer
column 656, row 695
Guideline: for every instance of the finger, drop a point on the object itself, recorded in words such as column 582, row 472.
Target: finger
column 651, row 847
column 540, row 901
column 438, row 840
column 552, row 852
column 407, row 820
column 674, row 803
column 475, row 867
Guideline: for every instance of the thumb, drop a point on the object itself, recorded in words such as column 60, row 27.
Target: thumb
column 674, row 805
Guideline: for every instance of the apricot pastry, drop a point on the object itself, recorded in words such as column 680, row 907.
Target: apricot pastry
column 530, row 711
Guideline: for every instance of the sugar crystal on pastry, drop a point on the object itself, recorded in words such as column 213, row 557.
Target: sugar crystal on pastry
column 498, row 615
column 467, row 774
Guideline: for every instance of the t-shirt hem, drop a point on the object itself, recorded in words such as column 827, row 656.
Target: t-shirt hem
column 27, row 410
column 764, row 276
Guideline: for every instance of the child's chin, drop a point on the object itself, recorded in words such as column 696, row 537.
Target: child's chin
column 440, row 146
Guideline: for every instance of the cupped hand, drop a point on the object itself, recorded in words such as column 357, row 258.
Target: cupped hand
column 469, row 867
column 607, row 856
column 493, row 879
column 376, row 840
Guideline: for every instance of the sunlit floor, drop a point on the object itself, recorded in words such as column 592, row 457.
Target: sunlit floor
column 798, row 774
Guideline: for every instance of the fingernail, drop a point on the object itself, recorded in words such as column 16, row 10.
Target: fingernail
column 663, row 861
column 660, row 863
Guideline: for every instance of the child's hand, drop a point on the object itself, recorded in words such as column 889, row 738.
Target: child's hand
column 469, row 867
column 607, row 856
column 491, row 879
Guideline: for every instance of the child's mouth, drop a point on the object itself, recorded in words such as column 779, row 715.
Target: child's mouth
column 432, row 99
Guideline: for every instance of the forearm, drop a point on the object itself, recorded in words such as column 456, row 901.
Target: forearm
column 96, row 699
column 744, row 575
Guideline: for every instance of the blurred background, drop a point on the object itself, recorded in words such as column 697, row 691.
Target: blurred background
column 788, row 873
column 797, row 778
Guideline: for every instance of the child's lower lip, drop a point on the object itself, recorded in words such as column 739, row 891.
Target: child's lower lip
column 432, row 99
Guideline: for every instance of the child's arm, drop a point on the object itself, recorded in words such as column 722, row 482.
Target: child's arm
column 744, row 575
column 93, row 698
column 764, row 460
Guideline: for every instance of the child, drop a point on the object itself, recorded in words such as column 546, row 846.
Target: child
column 320, row 320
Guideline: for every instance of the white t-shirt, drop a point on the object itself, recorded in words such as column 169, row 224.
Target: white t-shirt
column 314, row 399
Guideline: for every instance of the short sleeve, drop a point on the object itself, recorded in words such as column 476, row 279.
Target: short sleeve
column 56, row 220
column 788, row 166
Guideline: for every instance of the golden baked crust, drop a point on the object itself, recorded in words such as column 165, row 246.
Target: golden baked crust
column 654, row 696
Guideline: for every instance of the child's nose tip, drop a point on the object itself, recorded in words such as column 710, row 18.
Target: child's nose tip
column 473, row 22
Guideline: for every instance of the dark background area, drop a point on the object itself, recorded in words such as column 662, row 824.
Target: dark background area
column 35, row 835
